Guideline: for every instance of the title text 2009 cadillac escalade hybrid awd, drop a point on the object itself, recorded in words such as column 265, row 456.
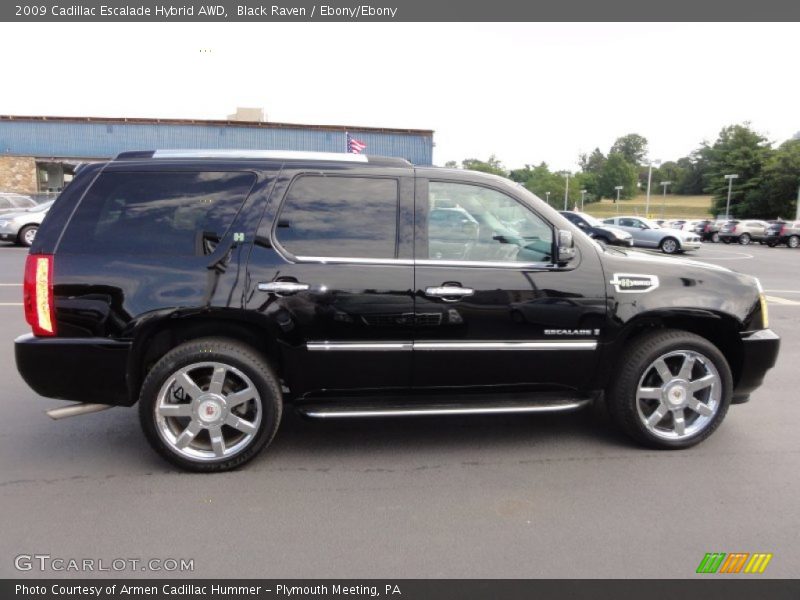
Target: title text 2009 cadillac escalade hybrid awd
column 218, row 288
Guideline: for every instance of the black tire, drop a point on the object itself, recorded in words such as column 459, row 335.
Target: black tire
column 744, row 239
column 26, row 235
column 229, row 353
column 622, row 393
column 715, row 237
column 793, row 241
column 669, row 245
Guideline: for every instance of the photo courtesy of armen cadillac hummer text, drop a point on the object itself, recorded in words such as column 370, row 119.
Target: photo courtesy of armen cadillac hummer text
column 219, row 288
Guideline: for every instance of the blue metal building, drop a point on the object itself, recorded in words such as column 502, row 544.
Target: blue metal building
column 52, row 141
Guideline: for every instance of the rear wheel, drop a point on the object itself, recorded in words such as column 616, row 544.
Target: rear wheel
column 672, row 390
column 793, row 241
column 210, row 405
column 669, row 245
column 27, row 235
column 744, row 239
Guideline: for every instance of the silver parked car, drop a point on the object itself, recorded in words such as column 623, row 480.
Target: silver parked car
column 21, row 226
column 11, row 202
column 648, row 234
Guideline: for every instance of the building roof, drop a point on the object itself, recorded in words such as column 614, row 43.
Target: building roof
column 214, row 122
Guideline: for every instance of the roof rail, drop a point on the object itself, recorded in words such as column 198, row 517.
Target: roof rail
column 266, row 155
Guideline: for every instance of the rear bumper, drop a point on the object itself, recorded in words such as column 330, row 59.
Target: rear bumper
column 760, row 351
column 691, row 245
column 80, row 369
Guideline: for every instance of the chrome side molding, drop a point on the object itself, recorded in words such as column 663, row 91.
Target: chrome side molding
column 427, row 346
column 334, row 411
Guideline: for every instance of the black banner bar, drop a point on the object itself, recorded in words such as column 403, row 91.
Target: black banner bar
column 711, row 588
column 365, row 11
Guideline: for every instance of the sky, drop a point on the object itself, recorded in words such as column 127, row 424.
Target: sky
column 525, row 92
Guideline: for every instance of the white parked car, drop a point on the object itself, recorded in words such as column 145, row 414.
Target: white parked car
column 648, row 234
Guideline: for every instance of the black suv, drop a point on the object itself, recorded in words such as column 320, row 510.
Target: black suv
column 219, row 288
column 596, row 229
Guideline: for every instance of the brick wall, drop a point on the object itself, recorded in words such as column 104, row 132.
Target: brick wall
column 18, row 174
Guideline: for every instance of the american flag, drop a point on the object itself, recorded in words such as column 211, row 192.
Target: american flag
column 355, row 146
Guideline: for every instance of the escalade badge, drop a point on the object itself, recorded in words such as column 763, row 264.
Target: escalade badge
column 629, row 283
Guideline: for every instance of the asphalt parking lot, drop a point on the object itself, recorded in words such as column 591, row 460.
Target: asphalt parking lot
column 499, row 497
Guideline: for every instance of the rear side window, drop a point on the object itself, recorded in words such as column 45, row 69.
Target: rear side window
column 353, row 217
column 175, row 213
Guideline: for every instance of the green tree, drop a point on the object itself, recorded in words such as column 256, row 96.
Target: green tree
column 617, row 171
column 692, row 175
column 592, row 163
column 742, row 151
column 633, row 148
column 776, row 196
column 493, row 165
column 451, row 164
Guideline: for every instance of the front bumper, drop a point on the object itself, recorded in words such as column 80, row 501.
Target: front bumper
column 759, row 353
column 691, row 245
column 80, row 369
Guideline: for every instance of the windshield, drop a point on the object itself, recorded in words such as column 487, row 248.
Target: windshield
column 593, row 221
column 42, row 207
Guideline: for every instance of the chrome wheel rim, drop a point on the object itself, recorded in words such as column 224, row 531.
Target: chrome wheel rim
column 29, row 236
column 669, row 246
column 794, row 242
column 208, row 411
column 744, row 240
column 678, row 395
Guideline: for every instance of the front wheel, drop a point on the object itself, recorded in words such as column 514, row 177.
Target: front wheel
column 744, row 239
column 210, row 405
column 672, row 390
column 715, row 237
column 793, row 241
column 669, row 246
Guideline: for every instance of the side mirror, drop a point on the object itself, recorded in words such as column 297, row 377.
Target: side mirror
column 566, row 247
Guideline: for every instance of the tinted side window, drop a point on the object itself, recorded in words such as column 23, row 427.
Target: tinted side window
column 472, row 223
column 340, row 216
column 176, row 213
column 5, row 203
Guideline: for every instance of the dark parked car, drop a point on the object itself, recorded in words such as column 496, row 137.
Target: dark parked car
column 598, row 230
column 707, row 230
column 220, row 288
column 783, row 233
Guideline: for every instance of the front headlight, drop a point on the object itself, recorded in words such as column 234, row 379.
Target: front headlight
column 762, row 299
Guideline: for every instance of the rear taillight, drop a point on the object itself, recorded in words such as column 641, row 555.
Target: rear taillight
column 783, row 230
column 38, row 294
column 707, row 228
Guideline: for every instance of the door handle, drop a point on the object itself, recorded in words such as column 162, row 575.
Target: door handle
column 283, row 287
column 449, row 293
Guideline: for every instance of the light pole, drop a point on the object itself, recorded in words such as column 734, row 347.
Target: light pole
column 664, row 184
column 730, row 179
column 547, row 195
column 649, row 179
column 619, row 189
column 566, row 190
column 583, row 196
column 797, row 210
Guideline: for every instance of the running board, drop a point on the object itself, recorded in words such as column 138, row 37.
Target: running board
column 345, row 408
